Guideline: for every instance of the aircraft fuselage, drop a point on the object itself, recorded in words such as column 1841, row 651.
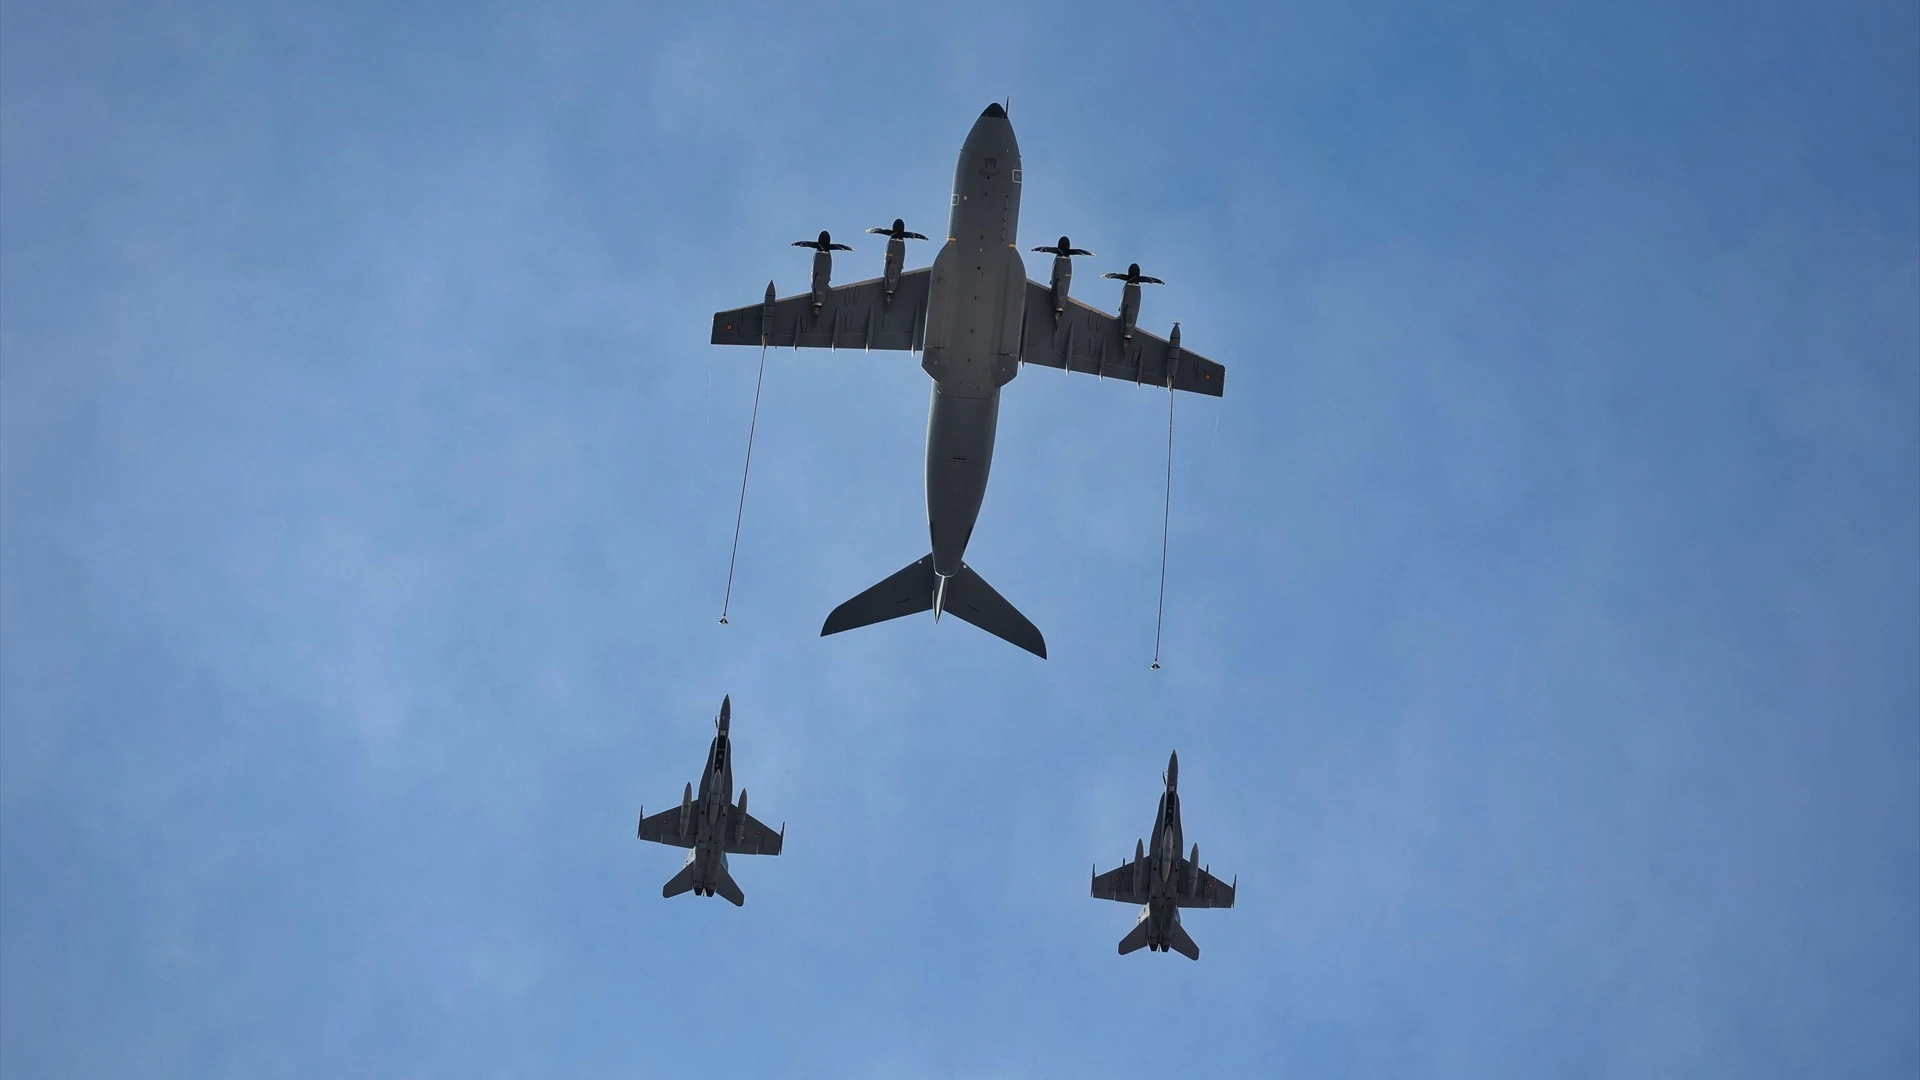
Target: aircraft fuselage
column 976, row 309
column 711, row 812
column 1161, row 910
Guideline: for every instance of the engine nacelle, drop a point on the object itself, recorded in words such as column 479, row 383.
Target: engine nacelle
column 1130, row 297
column 1062, row 283
column 823, row 249
column 897, row 237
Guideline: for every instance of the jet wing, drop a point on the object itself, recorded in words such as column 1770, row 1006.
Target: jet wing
column 664, row 828
column 856, row 316
column 1201, row 889
column 754, row 838
column 1082, row 338
column 1118, row 884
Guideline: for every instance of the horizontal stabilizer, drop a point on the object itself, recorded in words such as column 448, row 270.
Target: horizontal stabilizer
column 969, row 597
column 908, row 592
column 727, row 887
column 679, row 882
column 1179, row 942
column 1136, row 939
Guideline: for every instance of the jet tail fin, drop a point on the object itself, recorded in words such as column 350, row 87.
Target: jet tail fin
column 1179, row 942
column 969, row 597
column 679, row 882
column 1136, row 938
column 907, row 592
column 727, row 887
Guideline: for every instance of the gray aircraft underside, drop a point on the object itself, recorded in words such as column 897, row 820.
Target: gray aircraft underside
column 711, row 825
column 974, row 317
column 1162, row 882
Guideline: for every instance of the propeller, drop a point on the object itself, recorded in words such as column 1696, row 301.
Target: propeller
column 1064, row 247
column 1133, row 276
column 898, row 232
column 825, row 243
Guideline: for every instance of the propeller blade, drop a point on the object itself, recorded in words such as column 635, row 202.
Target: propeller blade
column 881, row 232
column 1080, row 251
column 806, row 243
column 1151, row 281
column 912, row 236
column 1116, row 277
column 838, row 247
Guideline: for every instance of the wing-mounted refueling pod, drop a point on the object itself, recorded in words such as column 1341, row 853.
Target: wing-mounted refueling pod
column 897, row 238
column 1129, row 296
column 740, row 818
column 1063, row 254
column 823, row 250
column 686, row 807
column 1139, row 866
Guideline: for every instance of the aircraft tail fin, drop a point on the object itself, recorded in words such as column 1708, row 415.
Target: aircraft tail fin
column 907, row 592
column 1179, row 942
column 679, row 882
column 1136, row 938
column 730, row 889
column 969, row 597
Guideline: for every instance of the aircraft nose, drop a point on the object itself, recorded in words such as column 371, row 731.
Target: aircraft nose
column 994, row 110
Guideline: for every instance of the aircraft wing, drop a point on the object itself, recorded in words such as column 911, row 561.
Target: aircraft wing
column 754, row 837
column 664, row 828
column 1201, row 889
column 856, row 316
column 1117, row 884
column 1083, row 338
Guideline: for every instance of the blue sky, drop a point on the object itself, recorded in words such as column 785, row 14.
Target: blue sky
column 1543, row 628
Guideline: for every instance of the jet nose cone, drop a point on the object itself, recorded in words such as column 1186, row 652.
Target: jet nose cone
column 994, row 110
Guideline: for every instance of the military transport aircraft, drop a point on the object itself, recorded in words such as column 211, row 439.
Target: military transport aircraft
column 1162, row 882
column 711, row 825
column 974, row 318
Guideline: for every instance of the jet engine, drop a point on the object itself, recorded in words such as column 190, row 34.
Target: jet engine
column 1129, row 297
column 823, row 250
column 897, row 238
column 1063, row 254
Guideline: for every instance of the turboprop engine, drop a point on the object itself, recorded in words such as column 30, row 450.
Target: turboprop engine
column 1063, row 254
column 1129, row 297
column 897, row 238
column 823, row 250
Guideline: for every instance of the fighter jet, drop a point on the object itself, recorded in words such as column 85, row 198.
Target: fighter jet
column 1162, row 882
column 711, row 825
column 974, row 317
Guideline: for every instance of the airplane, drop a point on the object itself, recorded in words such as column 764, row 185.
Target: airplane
column 974, row 317
column 1162, row 882
column 711, row 825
